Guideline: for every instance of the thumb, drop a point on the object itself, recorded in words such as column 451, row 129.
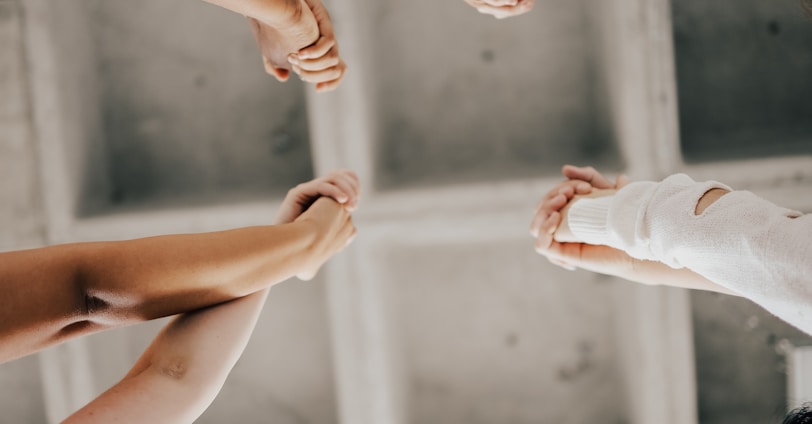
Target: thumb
column 281, row 74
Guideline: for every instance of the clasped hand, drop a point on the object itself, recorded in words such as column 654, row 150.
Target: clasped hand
column 298, row 36
column 325, row 204
column 556, row 242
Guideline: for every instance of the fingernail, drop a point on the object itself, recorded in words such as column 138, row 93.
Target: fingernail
column 350, row 240
column 292, row 59
column 583, row 186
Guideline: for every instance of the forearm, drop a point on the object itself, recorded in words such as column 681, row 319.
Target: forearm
column 271, row 12
column 184, row 368
column 659, row 274
column 52, row 294
column 740, row 241
column 161, row 276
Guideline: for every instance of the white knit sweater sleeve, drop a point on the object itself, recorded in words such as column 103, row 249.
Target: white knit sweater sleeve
column 742, row 242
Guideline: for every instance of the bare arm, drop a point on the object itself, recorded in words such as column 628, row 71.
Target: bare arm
column 182, row 371
column 184, row 368
column 271, row 12
column 56, row 293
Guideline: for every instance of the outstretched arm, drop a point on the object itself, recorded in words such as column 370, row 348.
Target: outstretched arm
column 60, row 292
column 555, row 241
column 733, row 238
column 184, row 368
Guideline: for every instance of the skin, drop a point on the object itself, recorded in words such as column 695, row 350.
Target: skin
column 293, row 35
column 56, row 293
column 501, row 9
column 184, row 368
column 556, row 242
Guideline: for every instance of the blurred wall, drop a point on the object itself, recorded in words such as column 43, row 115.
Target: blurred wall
column 21, row 217
column 286, row 375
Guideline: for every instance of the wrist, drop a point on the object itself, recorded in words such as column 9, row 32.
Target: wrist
column 284, row 14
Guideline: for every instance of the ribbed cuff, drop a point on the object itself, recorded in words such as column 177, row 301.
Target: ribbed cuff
column 588, row 218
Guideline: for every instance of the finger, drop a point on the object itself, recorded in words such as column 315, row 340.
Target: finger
column 355, row 185
column 320, row 188
column 318, row 76
column 563, row 264
column 588, row 174
column 622, row 181
column 347, row 234
column 354, row 178
column 565, row 254
column 582, row 187
column 499, row 3
column 535, row 224
column 502, row 12
column 322, row 46
column 345, row 188
column 569, row 188
column 552, row 208
column 281, row 74
column 307, row 275
column 336, row 192
column 545, row 232
column 555, row 204
column 551, row 224
column 321, row 63
column 350, row 177
column 325, row 87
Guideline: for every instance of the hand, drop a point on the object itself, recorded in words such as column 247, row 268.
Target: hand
column 305, row 44
column 320, row 63
column 333, row 228
column 342, row 186
column 280, row 36
column 501, row 9
column 551, row 212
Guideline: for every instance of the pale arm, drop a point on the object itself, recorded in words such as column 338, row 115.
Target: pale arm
column 733, row 238
column 555, row 241
column 183, row 370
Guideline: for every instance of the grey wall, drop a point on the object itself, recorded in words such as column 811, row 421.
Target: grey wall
column 167, row 110
column 487, row 333
column 168, row 104
column 461, row 98
column 741, row 360
column 21, row 213
column 743, row 71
